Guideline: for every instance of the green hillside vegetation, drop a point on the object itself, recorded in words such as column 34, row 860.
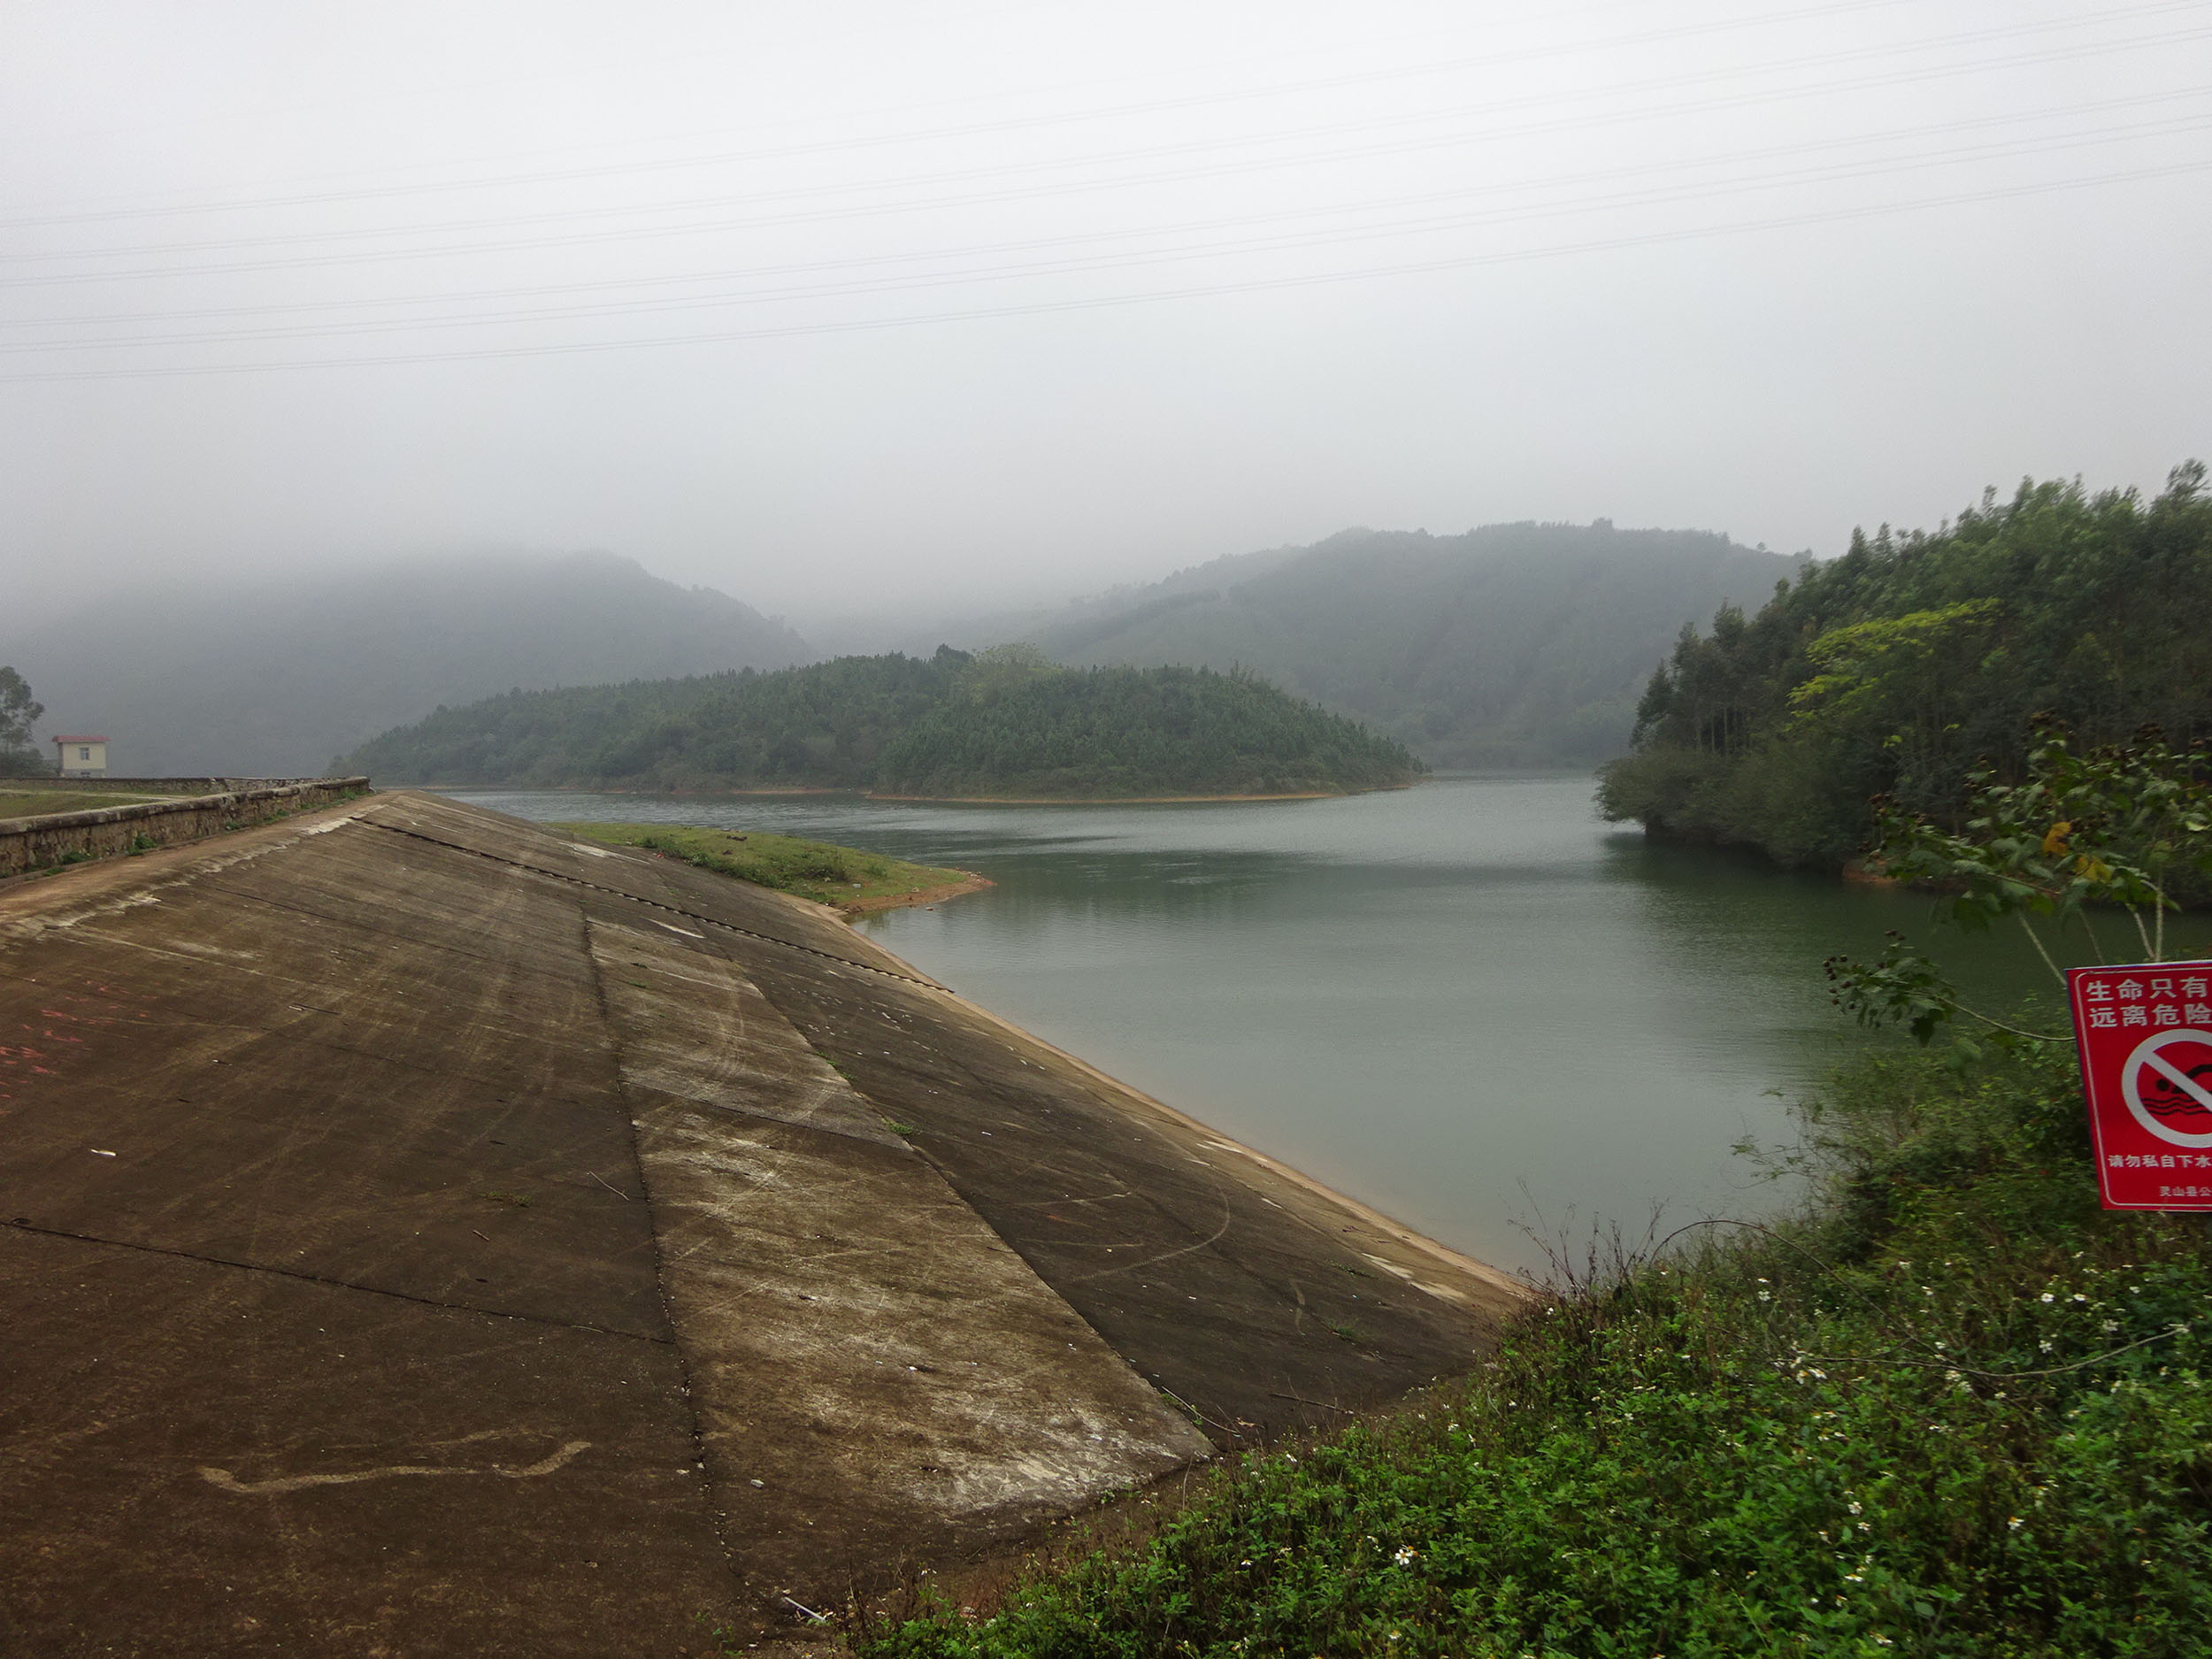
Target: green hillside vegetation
column 1004, row 724
column 844, row 876
column 1510, row 645
column 1894, row 668
column 1955, row 1408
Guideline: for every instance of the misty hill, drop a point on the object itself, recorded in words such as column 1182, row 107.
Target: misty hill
column 946, row 725
column 273, row 677
column 1511, row 645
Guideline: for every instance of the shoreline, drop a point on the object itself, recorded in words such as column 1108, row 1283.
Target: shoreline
column 1111, row 800
column 970, row 883
column 1460, row 1262
column 809, row 791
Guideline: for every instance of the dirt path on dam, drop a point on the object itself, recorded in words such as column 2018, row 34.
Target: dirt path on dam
column 428, row 1234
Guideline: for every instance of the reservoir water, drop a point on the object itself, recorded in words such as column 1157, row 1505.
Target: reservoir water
column 1472, row 1004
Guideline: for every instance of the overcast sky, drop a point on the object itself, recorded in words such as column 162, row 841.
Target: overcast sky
column 847, row 307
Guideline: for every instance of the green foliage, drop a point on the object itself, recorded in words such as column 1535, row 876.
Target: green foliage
column 1901, row 667
column 1005, row 723
column 2109, row 827
column 820, row 871
column 1955, row 1410
column 18, row 711
column 821, row 727
column 1030, row 731
column 1901, row 987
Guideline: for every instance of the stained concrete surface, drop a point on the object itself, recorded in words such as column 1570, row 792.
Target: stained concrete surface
column 432, row 1235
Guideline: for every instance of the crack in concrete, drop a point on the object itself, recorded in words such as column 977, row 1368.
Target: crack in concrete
column 20, row 1224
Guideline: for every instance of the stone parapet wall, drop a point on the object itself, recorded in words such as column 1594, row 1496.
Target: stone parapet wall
column 76, row 784
column 63, row 838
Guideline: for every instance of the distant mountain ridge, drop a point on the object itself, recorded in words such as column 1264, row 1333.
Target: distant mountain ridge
column 1513, row 644
column 273, row 677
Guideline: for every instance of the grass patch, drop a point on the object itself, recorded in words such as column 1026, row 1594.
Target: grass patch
column 829, row 874
column 39, row 803
column 1955, row 1408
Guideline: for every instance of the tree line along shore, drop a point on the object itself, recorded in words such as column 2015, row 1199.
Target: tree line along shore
column 1896, row 669
column 1000, row 724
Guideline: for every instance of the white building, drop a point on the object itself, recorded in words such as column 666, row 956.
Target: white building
column 83, row 756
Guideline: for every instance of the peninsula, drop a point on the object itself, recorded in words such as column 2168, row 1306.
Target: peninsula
column 1001, row 725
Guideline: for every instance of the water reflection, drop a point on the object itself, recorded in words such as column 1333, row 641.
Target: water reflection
column 1456, row 1003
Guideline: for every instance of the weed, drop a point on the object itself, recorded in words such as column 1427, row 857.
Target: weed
column 1953, row 1409
column 820, row 870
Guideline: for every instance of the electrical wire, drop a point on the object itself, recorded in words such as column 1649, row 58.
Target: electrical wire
column 1210, row 224
column 1099, row 303
column 1072, row 117
column 910, row 204
column 1613, row 201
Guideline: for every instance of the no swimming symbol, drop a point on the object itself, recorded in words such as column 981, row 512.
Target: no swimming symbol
column 2167, row 1083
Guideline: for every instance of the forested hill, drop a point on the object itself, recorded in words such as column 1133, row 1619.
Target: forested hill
column 1512, row 644
column 271, row 676
column 1897, row 667
column 1006, row 723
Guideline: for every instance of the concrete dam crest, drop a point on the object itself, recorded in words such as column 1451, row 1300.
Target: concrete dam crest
column 432, row 1234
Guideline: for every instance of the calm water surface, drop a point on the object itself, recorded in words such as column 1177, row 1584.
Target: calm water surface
column 1471, row 1004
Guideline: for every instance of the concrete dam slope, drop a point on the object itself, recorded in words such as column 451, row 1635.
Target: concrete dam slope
column 428, row 1234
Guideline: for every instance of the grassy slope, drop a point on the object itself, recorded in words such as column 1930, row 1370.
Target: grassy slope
column 38, row 803
column 1958, row 1410
column 828, row 874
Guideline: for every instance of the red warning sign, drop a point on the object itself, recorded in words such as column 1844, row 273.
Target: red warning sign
column 2145, row 1040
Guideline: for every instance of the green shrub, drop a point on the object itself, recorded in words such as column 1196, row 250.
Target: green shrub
column 1953, row 1409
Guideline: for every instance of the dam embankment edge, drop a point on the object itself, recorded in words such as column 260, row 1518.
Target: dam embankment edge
column 425, row 1229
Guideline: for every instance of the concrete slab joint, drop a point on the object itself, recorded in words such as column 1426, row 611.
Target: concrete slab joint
column 460, row 1241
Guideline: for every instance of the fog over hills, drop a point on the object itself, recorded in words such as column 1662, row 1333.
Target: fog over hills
column 1514, row 644
column 273, row 678
column 1521, row 644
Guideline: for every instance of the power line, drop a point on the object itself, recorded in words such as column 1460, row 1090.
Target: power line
column 914, row 204
column 1210, row 224
column 1069, row 117
column 1196, row 291
column 1617, row 200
